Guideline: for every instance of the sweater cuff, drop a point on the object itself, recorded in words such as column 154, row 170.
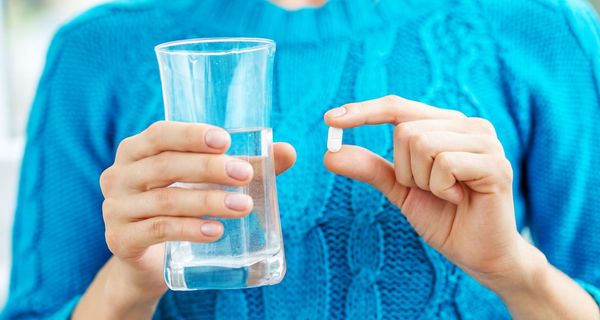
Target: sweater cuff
column 65, row 312
column 592, row 290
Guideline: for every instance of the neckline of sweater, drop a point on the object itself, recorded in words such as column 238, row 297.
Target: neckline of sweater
column 336, row 20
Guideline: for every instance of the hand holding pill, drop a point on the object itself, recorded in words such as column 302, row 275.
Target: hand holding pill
column 450, row 178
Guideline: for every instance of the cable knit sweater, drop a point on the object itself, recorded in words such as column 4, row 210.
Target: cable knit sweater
column 531, row 67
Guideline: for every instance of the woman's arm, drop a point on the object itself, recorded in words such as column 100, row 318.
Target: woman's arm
column 540, row 291
column 112, row 296
column 451, row 180
column 141, row 211
column 561, row 79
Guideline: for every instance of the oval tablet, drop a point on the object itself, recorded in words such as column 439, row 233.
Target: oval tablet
column 334, row 139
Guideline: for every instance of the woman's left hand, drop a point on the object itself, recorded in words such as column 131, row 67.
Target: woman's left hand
column 451, row 180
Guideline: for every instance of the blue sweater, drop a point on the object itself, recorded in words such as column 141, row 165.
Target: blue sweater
column 531, row 67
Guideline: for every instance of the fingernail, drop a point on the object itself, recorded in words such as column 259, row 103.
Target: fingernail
column 236, row 201
column 238, row 169
column 337, row 112
column 211, row 229
column 216, row 139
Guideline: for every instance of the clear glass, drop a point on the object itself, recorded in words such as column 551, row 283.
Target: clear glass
column 227, row 83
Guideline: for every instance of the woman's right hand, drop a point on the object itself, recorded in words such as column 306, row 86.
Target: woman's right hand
column 141, row 211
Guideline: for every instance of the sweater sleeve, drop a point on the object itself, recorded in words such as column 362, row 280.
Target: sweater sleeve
column 563, row 183
column 58, row 235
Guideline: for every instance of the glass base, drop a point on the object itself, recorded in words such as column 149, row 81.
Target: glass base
column 255, row 271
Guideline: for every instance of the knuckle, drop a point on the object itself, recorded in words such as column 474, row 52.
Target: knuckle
column 444, row 161
column 107, row 180
column 160, row 229
column 191, row 135
column 125, row 144
column 484, row 125
column 436, row 189
column 205, row 199
column 402, row 131
column 419, row 143
column 164, row 200
column 423, row 184
column 113, row 241
column 154, row 132
column 497, row 146
column 353, row 106
column 161, row 165
column 181, row 231
column 456, row 114
column 404, row 178
column 393, row 99
column 109, row 209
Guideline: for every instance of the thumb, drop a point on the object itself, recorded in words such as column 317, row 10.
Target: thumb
column 284, row 156
column 363, row 165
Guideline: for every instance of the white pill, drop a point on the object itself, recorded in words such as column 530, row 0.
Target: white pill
column 334, row 139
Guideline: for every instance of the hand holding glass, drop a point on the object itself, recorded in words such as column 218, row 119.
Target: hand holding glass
column 227, row 83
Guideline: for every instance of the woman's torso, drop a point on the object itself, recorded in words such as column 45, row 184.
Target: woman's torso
column 350, row 253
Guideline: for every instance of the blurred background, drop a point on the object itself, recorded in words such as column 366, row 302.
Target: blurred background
column 26, row 28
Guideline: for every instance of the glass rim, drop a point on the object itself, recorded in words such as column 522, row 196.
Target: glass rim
column 260, row 44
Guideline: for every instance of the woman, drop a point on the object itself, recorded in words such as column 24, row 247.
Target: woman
column 504, row 136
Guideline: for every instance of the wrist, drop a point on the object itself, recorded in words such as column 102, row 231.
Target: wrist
column 125, row 294
column 524, row 277
column 112, row 296
column 537, row 290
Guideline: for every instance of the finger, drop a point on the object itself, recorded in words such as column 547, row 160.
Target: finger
column 168, row 167
column 133, row 238
column 363, row 165
column 404, row 132
column 285, row 156
column 483, row 173
column 178, row 202
column 389, row 109
column 173, row 136
column 425, row 146
column 402, row 158
column 460, row 125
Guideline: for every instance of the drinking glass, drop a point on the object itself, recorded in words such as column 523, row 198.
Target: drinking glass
column 227, row 82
